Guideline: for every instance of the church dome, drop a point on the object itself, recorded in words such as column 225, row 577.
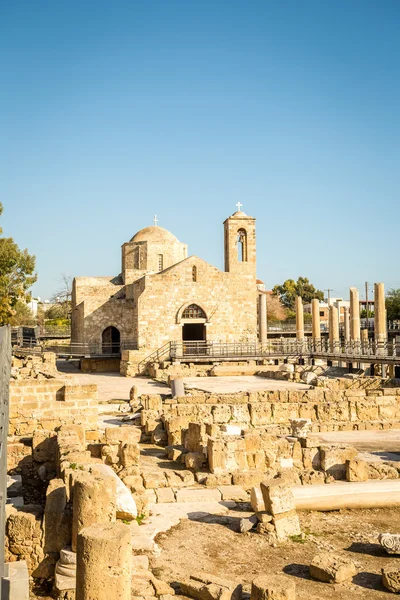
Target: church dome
column 155, row 234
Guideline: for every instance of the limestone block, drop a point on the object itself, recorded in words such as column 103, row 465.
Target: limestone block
column 152, row 402
column 250, row 479
column 261, row 414
column 134, row 483
column 194, row 460
column 333, row 459
column 311, row 458
column 232, row 429
column 233, row 492
column 15, row 581
column 198, row 495
column 196, row 437
column 264, row 517
column 257, row 499
column 154, row 480
column 286, row 524
column 356, row 470
column 282, row 413
column 214, row 480
column 110, row 454
column 312, row 477
column 210, row 587
column 273, row 587
column 129, row 454
column 56, row 501
column 390, row 542
column 44, row 446
column 391, row 578
column 221, row 413
column 247, row 523
column 332, row 568
column 278, row 497
column 300, row 427
column 240, row 413
column 381, row 471
column 125, row 433
column 124, row 503
column 165, row 495
column 161, row 588
column 104, row 562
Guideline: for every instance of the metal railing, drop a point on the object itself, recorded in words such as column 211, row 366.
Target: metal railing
column 89, row 349
column 337, row 350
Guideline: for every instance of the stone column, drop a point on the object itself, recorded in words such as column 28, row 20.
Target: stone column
column 346, row 324
column 103, row 562
column 334, row 337
column 94, row 502
column 364, row 341
column 380, row 318
column 263, row 317
column 355, row 316
column 316, row 323
column 299, row 319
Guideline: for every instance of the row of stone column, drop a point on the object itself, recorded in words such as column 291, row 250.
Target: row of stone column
column 352, row 330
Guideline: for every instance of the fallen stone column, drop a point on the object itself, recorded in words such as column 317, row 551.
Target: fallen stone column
column 94, row 502
column 104, row 562
column 335, row 496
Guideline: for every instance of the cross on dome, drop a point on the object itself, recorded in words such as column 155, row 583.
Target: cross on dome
column 155, row 220
column 239, row 205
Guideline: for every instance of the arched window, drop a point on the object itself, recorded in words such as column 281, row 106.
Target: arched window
column 193, row 312
column 160, row 262
column 194, row 273
column 242, row 245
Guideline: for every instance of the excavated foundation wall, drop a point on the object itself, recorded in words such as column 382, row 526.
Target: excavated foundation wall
column 329, row 410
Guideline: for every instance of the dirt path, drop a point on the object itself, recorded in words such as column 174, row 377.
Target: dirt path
column 213, row 547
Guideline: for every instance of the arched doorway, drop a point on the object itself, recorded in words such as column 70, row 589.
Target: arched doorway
column 193, row 324
column 111, row 340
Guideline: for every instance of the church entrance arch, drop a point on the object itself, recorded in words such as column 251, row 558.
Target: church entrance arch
column 111, row 340
column 193, row 321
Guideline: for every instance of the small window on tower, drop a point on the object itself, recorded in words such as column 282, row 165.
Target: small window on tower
column 160, row 262
column 242, row 245
column 194, row 273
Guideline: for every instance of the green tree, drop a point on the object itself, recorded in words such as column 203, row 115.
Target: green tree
column 16, row 276
column 393, row 304
column 288, row 291
column 22, row 315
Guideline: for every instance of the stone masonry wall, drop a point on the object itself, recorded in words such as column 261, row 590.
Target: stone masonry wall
column 228, row 299
column 272, row 410
column 47, row 405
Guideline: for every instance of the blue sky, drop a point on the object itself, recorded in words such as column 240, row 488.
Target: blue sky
column 111, row 112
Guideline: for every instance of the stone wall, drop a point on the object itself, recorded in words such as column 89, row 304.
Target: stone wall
column 47, row 405
column 340, row 410
column 100, row 365
column 33, row 366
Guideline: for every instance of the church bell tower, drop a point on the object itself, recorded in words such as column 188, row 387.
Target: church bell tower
column 240, row 243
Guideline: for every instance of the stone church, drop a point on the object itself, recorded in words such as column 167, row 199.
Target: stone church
column 163, row 295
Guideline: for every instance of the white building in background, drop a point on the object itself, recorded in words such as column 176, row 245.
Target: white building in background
column 339, row 303
column 33, row 306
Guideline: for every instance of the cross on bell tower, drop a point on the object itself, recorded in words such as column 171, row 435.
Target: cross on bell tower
column 155, row 220
column 239, row 205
